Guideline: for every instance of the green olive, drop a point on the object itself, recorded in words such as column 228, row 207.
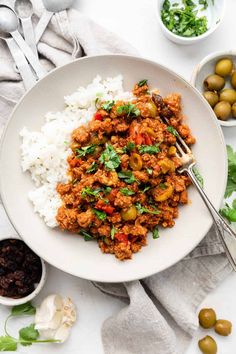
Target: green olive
column 223, row 327
column 136, row 162
column 152, row 109
column 211, row 97
column 234, row 110
column 222, row 110
column 207, row 318
column 207, row 345
column 214, row 82
column 233, row 79
column 129, row 213
column 228, row 95
column 224, row 67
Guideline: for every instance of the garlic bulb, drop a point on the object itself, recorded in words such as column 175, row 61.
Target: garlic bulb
column 54, row 317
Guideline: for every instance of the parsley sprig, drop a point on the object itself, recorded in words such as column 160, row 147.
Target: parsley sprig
column 231, row 182
column 107, row 106
column 126, row 191
column 27, row 335
column 88, row 191
column 229, row 212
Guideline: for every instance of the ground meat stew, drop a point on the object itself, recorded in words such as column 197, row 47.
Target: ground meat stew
column 123, row 172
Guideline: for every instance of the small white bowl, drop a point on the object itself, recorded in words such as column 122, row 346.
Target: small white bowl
column 214, row 14
column 207, row 67
column 7, row 301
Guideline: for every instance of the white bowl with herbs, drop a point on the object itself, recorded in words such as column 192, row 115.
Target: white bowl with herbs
column 215, row 78
column 190, row 21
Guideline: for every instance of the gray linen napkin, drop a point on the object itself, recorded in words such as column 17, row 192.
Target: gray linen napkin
column 160, row 316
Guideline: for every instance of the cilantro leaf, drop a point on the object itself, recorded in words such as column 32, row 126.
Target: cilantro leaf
column 149, row 149
column 129, row 147
column 7, row 344
column 198, row 176
column 87, row 191
column 129, row 109
column 107, row 106
column 162, row 186
column 107, row 190
column 86, row 235
column 229, row 212
column 24, row 309
column 110, row 158
column 92, row 168
column 113, row 231
column 127, row 176
column 155, row 233
column 85, row 150
column 231, row 182
column 172, row 130
column 29, row 333
column 149, row 171
column 100, row 214
column 146, row 188
column 142, row 83
column 142, row 209
column 126, row 191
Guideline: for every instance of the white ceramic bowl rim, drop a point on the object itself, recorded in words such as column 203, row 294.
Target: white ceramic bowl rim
column 199, row 66
column 8, row 301
column 189, row 39
column 147, row 272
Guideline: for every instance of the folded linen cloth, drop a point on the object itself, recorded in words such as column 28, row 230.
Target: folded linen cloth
column 160, row 316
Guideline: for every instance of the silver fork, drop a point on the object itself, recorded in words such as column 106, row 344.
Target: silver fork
column 224, row 231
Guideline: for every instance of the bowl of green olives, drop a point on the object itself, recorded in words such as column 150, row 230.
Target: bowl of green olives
column 215, row 78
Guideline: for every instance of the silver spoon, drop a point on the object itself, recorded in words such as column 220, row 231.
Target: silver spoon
column 24, row 10
column 51, row 6
column 9, row 24
column 21, row 63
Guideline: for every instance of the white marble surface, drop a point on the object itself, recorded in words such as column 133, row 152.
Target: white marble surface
column 135, row 20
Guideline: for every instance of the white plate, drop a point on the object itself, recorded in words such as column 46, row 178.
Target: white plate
column 71, row 253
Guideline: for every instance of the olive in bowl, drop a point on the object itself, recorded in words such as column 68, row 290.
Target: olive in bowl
column 208, row 77
column 208, row 345
column 22, row 272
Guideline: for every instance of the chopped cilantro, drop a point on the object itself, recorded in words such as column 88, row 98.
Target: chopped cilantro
column 87, row 191
column 183, row 20
column 142, row 209
column 126, row 191
column 113, row 231
column 92, row 168
column 149, row 149
column 146, row 188
column 155, row 233
column 100, row 214
column 127, row 176
column 86, row 235
column 129, row 109
column 110, row 158
column 172, row 130
column 85, row 150
column 129, row 147
column 107, row 190
column 162, row 186
column 149, row 171
column 142, row 83
column 107, row 106
column 97, row 102
column 198, row 176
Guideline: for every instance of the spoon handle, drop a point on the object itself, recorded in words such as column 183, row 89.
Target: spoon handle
column 42, row 24
column 33, row 60
column 22, row 64
column 28, row 31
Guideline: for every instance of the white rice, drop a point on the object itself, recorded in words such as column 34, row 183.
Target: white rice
column 44, row 153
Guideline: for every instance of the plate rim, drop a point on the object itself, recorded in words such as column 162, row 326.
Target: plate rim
column 190, row 86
